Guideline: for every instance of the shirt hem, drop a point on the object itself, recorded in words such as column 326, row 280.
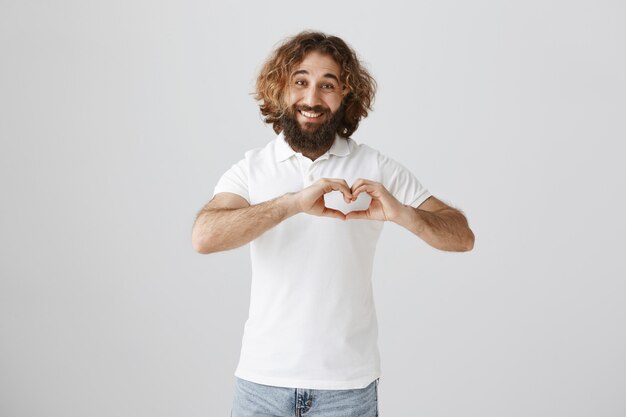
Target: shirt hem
column 240, row 193
column 307, row 383
column 419, row 200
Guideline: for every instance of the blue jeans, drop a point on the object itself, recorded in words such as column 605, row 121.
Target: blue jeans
column 257, row 400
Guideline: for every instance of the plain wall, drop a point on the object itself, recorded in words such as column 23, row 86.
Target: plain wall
column 117, row 119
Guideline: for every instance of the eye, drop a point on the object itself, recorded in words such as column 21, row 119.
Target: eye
column 300, row 82
column 328, row 86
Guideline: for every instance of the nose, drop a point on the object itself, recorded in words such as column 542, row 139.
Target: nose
column 312, row 96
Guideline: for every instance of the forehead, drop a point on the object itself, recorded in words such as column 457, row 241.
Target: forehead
column 318, row 64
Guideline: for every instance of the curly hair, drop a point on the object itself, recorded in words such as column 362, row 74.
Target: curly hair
column 274, row 77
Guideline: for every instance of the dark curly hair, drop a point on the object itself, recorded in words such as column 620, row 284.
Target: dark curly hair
column 274, row 77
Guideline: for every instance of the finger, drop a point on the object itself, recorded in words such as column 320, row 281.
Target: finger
column 346, row 197
column 357, row 214
column 336, row 214
column 356, row 184
column 339, row 180
column 365, row 187
column 341, row 186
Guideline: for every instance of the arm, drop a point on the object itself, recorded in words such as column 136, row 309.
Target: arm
column 229, row 221
column 438, row 224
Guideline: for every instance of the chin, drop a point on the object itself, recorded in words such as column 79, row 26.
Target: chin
column 309, row 127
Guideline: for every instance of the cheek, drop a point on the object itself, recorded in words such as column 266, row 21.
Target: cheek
column 334, row 102
column 291, row 97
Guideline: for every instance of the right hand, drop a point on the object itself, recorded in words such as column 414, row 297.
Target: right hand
column 311, row 199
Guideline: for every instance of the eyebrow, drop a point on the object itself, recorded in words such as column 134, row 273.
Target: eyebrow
column 327, row 75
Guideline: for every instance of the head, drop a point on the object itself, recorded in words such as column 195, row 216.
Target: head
column 314, row 85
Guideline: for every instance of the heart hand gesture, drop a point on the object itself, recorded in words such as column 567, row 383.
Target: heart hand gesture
column 384, row 206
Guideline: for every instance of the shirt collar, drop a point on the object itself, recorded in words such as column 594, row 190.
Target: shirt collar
column 339, row 147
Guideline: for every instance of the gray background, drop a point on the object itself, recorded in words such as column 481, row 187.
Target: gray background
column 117, row 119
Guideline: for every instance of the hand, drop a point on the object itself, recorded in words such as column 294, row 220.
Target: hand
column 384, row 205
column 311, row 199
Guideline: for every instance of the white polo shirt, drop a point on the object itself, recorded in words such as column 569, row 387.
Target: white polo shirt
column 312, row 321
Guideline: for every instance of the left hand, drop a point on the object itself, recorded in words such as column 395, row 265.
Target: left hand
column 384, row 205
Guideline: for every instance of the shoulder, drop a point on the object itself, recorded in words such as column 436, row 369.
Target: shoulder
column 361, row 149
column 387, row 165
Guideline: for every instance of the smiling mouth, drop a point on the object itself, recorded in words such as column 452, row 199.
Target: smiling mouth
column 310, row 115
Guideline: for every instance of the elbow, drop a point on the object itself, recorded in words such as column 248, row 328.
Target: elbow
column 200, row 247
column 462, row 243
column 202, row 243
column 469, row 241
column 205, row 248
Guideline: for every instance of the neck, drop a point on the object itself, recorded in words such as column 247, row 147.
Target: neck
column 312, row 154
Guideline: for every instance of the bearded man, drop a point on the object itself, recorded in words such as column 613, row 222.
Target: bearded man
column 312, row 204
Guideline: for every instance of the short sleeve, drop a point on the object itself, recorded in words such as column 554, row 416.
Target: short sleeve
column 235, row 180
column 401, row 183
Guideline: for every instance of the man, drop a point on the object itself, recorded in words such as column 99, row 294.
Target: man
column 312, row 204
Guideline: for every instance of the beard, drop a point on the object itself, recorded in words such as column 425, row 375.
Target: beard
column 314, row 137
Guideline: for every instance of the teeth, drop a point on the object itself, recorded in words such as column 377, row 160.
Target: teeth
column 313, row 115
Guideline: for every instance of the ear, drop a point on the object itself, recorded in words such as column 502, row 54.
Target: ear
column 345, row 91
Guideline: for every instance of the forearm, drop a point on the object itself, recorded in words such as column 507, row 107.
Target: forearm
column 446, row 229
column 220, row 229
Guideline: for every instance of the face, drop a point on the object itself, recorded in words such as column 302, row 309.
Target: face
column 314, row 98
column 315, row 92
